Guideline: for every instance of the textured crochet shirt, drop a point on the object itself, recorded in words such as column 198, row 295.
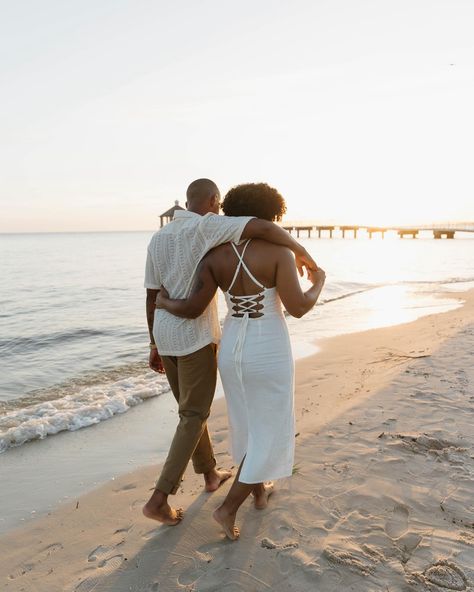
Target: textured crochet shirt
column 173, row 256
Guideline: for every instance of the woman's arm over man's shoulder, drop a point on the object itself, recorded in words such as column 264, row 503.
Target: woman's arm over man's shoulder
column 272, row 233
column 295, row 301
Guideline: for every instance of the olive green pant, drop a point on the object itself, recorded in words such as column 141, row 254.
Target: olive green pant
column 193, row 381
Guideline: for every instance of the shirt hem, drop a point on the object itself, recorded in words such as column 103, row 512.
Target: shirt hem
column 187, row 351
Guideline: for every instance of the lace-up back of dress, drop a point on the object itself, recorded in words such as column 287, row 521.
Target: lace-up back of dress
column 248, row 303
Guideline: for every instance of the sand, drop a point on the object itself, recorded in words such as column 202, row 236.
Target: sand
column 382, row 498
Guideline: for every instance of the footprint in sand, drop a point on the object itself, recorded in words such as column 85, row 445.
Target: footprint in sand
column 138, row 504
column 446, row 575
column 189, row 576
column 397, row 522
column 102, row 551
column 49, row 550
column 363, row 564
column 99, row 553
column 123, row 530
column 126, row 487
column 36, row 560
column 230, row 579
column 290, row 558
column 104, row 568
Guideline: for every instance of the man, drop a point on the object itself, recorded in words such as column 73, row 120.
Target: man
column 186, row 348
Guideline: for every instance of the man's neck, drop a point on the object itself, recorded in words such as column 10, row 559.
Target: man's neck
column 200, row 211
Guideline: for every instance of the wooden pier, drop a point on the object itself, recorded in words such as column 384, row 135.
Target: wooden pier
column 438, row 232
column 441, row 233
column 413, row 232
column 322, row 228
column 308, row 229
column 374, row 229
column 344, row 229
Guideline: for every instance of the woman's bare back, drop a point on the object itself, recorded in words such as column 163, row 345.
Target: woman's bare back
column 260, row 257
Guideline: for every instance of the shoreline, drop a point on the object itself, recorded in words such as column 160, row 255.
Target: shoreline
column 348, row 378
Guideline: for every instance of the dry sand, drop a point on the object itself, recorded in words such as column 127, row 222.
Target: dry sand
column 382, row 498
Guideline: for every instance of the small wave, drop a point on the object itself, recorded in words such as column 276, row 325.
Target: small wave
column 348, row 290
column 347, row 295
column 456, row 280
column 73, row 385
column 43, row 340
column 46, row 339
column 354, row 292
column 85, row 407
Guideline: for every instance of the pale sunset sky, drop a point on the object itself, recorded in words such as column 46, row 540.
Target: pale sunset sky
column 358, row 111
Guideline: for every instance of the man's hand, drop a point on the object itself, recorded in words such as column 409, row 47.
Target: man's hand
column 155, row 362
column 303, row 260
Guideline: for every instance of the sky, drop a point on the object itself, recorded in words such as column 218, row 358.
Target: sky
column 357, row 111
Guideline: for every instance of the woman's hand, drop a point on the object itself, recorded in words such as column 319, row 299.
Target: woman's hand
column 162, row 298
column 317, row 276
column 304, row 260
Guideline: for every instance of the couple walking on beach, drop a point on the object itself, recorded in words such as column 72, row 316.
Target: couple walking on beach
column 251, row 260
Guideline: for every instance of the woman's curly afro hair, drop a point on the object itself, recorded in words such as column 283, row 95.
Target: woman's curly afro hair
column 254, row 199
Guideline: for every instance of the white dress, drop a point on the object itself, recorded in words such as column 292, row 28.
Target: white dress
column 257, row 371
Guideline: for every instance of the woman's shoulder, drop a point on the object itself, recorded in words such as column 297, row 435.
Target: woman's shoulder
column 263, row 244
column 269, row 248
column 217, row 252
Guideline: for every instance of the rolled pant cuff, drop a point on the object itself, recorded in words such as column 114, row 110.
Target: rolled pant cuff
column 205, row 468
column 166, row 486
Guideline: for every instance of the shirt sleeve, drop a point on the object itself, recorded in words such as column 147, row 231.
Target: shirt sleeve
column 152, row 275
column 222, row 229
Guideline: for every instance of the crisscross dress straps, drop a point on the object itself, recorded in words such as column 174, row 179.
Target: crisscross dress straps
column 247, row 303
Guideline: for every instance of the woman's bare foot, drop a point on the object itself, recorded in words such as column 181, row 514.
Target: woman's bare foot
column 227, row 521
column 215, row 478
column 261, row 495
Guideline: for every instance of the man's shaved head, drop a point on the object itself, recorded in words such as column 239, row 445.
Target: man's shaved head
column 201, row 190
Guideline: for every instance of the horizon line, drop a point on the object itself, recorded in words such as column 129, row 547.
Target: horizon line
column 420, row 227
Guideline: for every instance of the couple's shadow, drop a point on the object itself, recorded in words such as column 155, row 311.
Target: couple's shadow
column 173, row 557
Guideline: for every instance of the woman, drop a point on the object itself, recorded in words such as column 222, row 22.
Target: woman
column 255, row 359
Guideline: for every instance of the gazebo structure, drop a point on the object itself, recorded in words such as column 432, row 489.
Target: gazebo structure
column 168, row 215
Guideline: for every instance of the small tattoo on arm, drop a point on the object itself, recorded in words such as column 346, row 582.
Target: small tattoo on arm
column 198, row 286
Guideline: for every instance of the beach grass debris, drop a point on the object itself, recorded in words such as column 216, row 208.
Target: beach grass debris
column 296, row 470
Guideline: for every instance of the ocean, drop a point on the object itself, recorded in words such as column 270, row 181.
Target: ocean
column 74, row 341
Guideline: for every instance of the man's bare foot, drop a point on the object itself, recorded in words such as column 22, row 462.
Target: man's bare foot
column 227, row 521
column 164, row 513
column 215, row 478
column 261, row 495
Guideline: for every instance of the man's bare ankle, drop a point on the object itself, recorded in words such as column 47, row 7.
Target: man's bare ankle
column 158, row 498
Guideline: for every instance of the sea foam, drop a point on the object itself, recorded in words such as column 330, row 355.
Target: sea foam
column 90, row 405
